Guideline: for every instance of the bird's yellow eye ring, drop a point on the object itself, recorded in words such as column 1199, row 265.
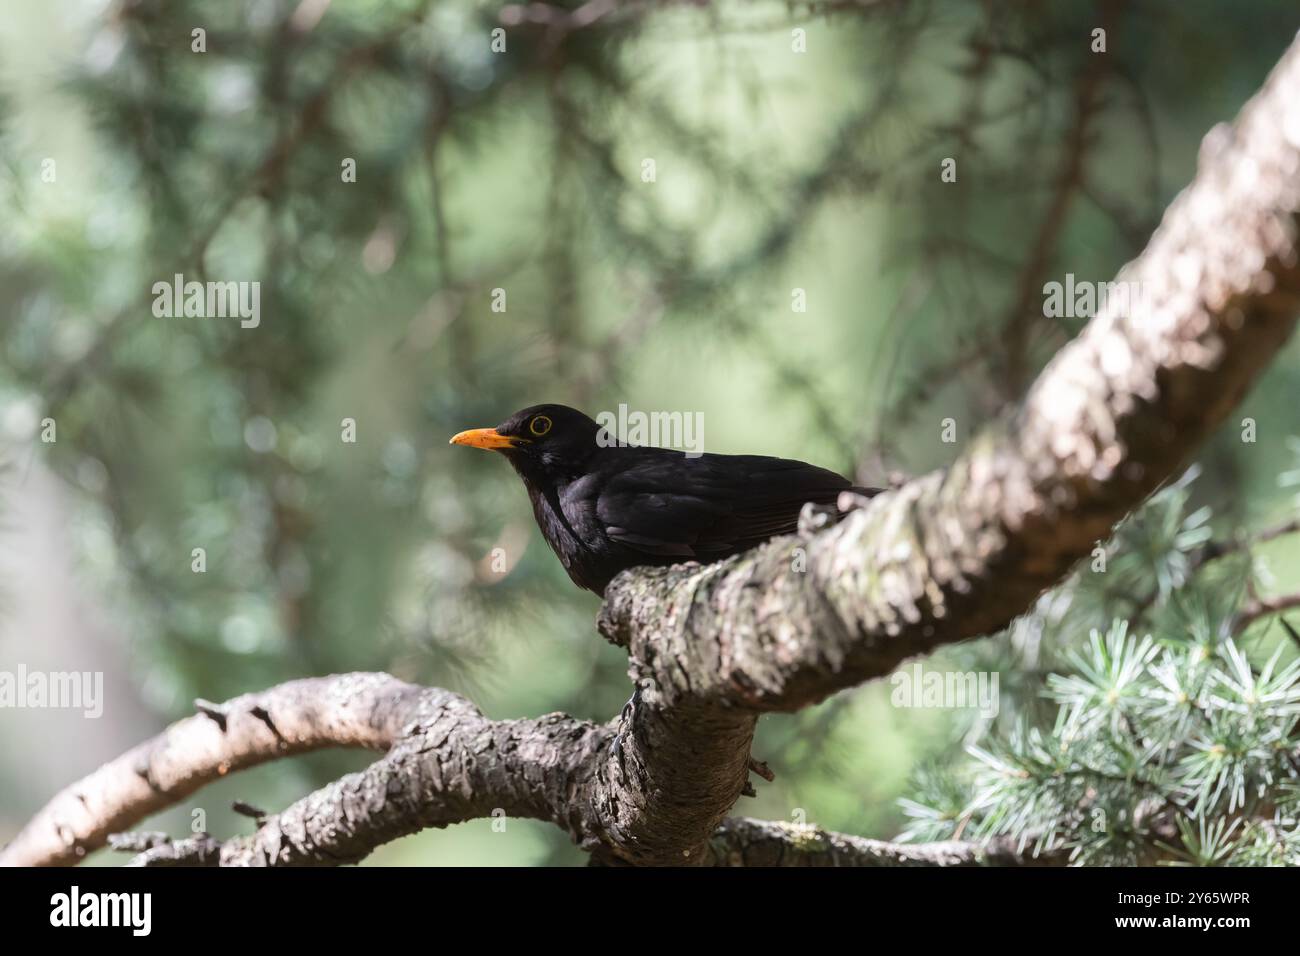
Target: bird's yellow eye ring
column 540, row 425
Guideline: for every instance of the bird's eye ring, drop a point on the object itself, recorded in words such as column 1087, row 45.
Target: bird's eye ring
column 540, row 425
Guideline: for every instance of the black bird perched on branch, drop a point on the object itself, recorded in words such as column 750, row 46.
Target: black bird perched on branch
column 604, row 507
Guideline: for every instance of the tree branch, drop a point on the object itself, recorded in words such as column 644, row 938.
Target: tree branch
column 157, row 849
column 353, row 710
column 446, row 763
column 1260, row 607
column 745, row 842
column 1218, row 549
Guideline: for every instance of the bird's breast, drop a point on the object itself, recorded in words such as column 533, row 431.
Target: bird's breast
column 566, row 523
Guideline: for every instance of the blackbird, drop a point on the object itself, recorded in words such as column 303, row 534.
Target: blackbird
column 604, row 507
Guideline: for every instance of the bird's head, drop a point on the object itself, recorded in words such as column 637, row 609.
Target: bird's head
column 540, row 440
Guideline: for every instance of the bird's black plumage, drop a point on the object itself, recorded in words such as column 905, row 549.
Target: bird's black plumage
column 603, row 507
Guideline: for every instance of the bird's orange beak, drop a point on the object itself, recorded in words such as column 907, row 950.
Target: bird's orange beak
column 488, row 438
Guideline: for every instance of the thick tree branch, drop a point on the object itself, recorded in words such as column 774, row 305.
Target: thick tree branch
column 604, row 785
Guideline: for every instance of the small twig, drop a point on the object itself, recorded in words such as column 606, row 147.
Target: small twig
column 248, row 810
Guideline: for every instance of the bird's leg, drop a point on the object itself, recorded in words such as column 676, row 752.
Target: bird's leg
column 851, row 501
column 814, row 517
column 760, row 768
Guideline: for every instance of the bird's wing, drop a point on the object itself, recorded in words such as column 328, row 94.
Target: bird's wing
column 711, row 506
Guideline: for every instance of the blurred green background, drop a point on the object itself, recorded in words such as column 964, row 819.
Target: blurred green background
column 776, row 169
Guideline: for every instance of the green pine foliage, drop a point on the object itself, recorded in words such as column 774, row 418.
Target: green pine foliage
column 1157, row 728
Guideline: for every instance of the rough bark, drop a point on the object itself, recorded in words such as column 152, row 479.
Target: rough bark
column 948, row 556
column 745, row 842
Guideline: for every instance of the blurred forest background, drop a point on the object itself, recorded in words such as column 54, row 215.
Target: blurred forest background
column 776, row 169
